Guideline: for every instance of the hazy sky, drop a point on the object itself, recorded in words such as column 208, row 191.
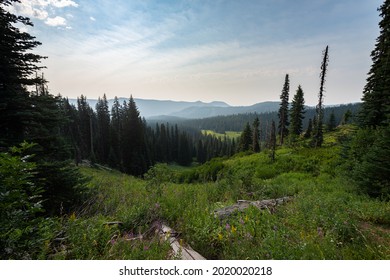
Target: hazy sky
column 235, row 51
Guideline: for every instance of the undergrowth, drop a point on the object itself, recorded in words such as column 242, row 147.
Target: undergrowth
column 326, row 219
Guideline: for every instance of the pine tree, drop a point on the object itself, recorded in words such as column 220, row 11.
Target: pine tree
column 373, row 161
column 246, row 138
column 31, row 116
column 115, row 134
column 185, row 153
column 256, row 135
column 318, row 129
column 272, row 143
column 103, row 129
column 283, row 110
column 133, row 146
column 297, row 112
column 331, row 124
column 17, row 68
column 309, row 129
column 376, row 95
column 346, row 117
column 85, row 121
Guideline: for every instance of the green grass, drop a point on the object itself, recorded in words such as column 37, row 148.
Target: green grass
column 228, row 134
column 327, row 218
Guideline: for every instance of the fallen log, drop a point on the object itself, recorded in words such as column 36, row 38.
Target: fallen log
column 241, row 205
column 185, row 252
column 119, row 223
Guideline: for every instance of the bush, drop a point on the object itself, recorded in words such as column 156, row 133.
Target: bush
column 20, row 202
column 372, row 172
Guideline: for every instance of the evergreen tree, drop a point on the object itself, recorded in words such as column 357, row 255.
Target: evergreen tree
column 373, row 160
column 309, row 129
column 283, row 110
column 133, row 149
column 372, row 172
column 246, row 138
column 115, row 134
column 297, row 112
column 376, row 95
column 17, row 66
column 85, row 121
column 256, row 135
column 346, row 117
column 70, row 129
column 185, row 151
column 272, row 143
column 331, row 124
column 31, row 116
column 318, row 129
column 103, row 129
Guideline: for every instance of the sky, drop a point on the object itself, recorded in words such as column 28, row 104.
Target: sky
column 227, row 50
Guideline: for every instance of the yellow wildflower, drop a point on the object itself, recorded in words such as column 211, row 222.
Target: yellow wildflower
column 220, row 236
column 72, row 217
column 234, row 229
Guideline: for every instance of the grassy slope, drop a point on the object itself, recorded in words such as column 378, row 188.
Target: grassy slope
column 228, row 134
column 327, row 219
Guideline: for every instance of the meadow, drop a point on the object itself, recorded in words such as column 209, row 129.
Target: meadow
column 327, row 218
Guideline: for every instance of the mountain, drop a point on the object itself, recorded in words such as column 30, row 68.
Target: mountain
column 150, row 107
column 197, row 112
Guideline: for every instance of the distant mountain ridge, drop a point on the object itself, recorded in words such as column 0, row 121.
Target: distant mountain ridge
column 151, row 107
column 168, row 109
column 213, row 111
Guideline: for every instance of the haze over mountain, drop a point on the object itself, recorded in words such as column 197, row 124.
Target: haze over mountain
column 168, row 109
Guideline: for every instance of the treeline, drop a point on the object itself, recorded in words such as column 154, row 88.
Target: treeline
column 342, row 114
column 118, row 137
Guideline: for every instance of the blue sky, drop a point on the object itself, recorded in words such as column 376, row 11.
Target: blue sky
column 233, row 51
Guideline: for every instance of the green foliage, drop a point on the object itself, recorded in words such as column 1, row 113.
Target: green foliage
column 373, row 169
column 20, row 202
column 326, row 219
column 376, row 95
column 297, row 112
column 331, row 124
column 283, row 110
column 246, row 139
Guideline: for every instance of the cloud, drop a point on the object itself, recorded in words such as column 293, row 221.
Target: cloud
column 92, row 18
column 42, row 10
column 62, row 3
column 56, row 21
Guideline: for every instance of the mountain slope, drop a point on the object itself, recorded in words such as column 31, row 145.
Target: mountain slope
column 212, row 111
column 150, row 107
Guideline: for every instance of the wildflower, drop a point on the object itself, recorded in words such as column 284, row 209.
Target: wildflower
column 234, row 229
column 72, row 217
column 320, row 232
column 220, row 236
column 248, row 236
column 227, row 227
column 146, row 248
column 242, row 221
column 246, row 218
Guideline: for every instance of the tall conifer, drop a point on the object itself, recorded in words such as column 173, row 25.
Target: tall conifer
column 318, row 129
column 283, row 110
column 376, row 95
column 297, row 112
